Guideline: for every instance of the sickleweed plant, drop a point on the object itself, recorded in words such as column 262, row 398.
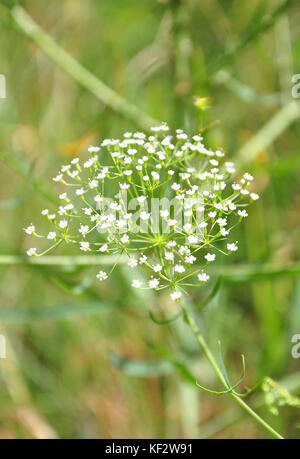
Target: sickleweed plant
column 167, row 203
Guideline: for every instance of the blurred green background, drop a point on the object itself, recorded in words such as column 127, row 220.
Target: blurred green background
column 84, row 360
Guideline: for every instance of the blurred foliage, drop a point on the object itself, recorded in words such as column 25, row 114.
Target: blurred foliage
column 170, row 59
column 277, row 396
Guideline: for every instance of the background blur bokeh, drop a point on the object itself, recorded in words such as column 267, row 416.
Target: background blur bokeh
column 85, row 360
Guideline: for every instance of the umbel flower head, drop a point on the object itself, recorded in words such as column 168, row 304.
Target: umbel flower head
column 165, row 201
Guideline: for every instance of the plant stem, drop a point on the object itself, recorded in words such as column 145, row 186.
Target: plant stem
column 229, row 273
column 68, row 64
column 192, row 323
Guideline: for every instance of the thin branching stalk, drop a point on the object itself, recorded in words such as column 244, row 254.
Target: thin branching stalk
column 230, row 274
column 207, row 352
column 71, row 66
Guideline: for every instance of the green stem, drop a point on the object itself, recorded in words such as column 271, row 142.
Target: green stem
column 192, row 323
column 68, row 64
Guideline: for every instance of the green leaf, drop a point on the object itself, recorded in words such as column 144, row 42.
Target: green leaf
column 178, row 363
column 54, row 313
column 19, row 164
column 164, row 321
column 211, row 295
column 223, row 369
column 141, row 368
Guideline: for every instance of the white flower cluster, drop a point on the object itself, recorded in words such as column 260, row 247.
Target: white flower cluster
column 174, row 243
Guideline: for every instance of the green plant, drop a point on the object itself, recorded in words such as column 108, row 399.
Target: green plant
column 185, row 199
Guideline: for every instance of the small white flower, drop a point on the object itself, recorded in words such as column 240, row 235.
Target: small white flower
column 93, row 149
column 232, row 247
column 124, row 186
column 222, row 222
column 103, row 248
column 84, row 229
column 136, row 283
column 203, row 277
column 30, row 229
column 190, row 259
column 192, row 239
column 103, row 173
column 169, row 256
column 171, row 244
column 224, row 232
column 63, row 224
column 187, row 227
column 142, row 259
column 254, row 196
column 210, row 257
column 184, row 250
column 102, row 275
column 45, row 212
column 179, row 269
column 93, row 184
column 74, row 174
column 175, row 296
column 162, row 127
column 242, row 213
column 90, row 162
column 145, row 215
column 84, row 246
column 184, row 175
column 157, row 268
column 164, row 213
column 58, row 178
column 80, row 192
column 175, row 186
column 98, row 198
column 244, row 192
column 124, row 239
column 115, row 206
column 248, row 177
column 51, row 236
column 31, row 252
column 132, row 263
column 155, row 175
column 153, row 283
column 231, row 205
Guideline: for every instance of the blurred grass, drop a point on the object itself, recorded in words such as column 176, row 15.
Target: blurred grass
column 58, row 379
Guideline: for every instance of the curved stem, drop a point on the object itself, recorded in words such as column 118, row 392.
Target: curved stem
column 192, row 323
